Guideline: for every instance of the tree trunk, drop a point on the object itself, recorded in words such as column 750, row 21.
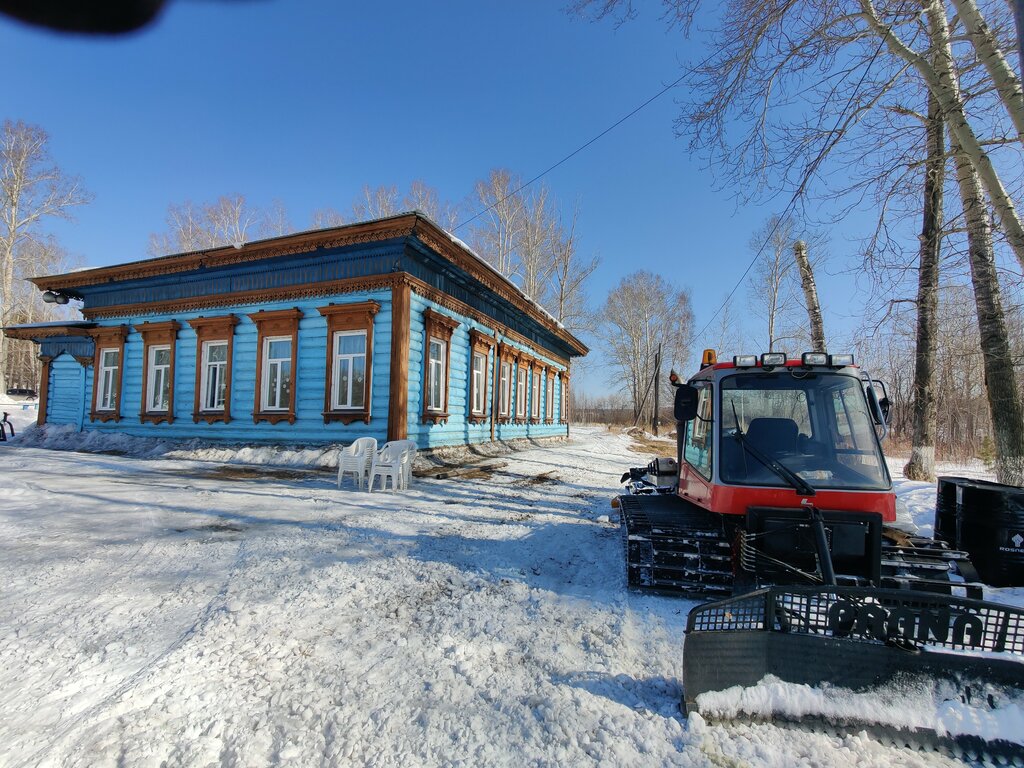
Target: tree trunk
column 922, row 453
column 941, row 78
column 810, row 296
column 987, row 47
column 1004, row 404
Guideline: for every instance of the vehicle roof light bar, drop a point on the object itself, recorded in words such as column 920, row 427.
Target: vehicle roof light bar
column 838, row 361
column 744, row 361
column 814, row 358
column 773, row 359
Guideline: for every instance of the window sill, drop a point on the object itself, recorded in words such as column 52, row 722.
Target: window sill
column 346, row 417
column 104, row 416
column 435, row 417
column 155, row 418
column 211, row 417
column 273, row 417
column 477, row 418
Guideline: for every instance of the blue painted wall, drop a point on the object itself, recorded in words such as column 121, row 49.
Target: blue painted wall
column 309, row 379
column 67, row 380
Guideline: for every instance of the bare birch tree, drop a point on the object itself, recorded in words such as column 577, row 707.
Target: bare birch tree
column 376, row 203
column 228, row 220
column 817, row 324
column 424, row 198
column 500, row 228
column 34, row 191
column 533, row 264
column 568, row 278
column 643, row 311
column 772, row 281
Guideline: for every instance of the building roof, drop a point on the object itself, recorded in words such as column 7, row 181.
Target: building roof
column 413, row 223
column 44, row 330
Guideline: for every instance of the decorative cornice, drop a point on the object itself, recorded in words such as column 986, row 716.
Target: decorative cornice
column 45, row 332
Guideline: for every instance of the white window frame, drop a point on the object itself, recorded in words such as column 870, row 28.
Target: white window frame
column 155, row 373
column 505, row 389
column 106, row 385
column 549, row 404
column 521, row 390
column 337, row 403
column 221, row 376
column 269, row 363
column 478, row 379
column 436, row 367
column 535, row 395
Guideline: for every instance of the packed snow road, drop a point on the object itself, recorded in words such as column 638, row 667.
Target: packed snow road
column 172, row 612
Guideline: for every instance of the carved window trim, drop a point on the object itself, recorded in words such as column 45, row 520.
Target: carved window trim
column 356, row 316
column 273, row 324
column 536, row 391
column 109, row 337
column 440, row 327
column 213, row 329
column 481, row 344
column 510, row 356
column 163, row 334
column 522, row 398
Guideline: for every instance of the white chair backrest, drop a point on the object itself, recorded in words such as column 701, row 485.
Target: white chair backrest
column 365, row 445
column 391, row 452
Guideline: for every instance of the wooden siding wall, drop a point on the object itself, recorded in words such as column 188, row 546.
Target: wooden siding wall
column 64, row 401
column 457, row 429
column 309, row 378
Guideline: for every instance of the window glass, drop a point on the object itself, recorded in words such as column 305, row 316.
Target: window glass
column 436, row 375
column 521, row 391
column 697, row 440
column 479, row 372
column 506, row 388
column 159, row 379
column 106, row 398
column 214, row 378
column 349, row 376
column 277, row 373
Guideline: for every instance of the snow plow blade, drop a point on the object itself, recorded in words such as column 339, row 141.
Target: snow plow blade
column 969, row 653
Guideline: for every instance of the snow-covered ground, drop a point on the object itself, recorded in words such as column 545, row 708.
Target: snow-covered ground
column 177, row 612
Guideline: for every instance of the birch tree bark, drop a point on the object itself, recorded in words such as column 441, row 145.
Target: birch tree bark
column 1004, row 403
column 810, row 296
column 922, row 453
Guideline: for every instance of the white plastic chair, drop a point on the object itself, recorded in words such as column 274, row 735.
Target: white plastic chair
column 388, row 462
column 408, row 460
column 356, row 459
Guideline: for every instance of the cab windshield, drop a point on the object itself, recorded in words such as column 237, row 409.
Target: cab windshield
column 815, row 424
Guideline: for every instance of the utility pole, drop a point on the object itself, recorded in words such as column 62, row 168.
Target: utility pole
column 657, row 386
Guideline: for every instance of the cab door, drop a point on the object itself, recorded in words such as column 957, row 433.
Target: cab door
column 696, row 467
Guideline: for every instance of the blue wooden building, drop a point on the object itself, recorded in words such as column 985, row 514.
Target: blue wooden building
column 390, row 329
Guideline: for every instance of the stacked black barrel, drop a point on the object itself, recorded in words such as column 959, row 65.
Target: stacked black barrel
column 986, row 520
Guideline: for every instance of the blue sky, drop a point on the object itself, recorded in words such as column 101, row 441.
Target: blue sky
column 308, row 101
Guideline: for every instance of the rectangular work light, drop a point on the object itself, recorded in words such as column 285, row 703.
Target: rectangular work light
column 744, row 361
column 838, row 361
column 772, row 359
column 814, row 358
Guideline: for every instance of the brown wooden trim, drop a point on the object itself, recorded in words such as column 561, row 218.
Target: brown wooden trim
column 44, row 389
column 480, row 343
column 357, row 316
column 219, row 328
column 154, row 335
column 404, row 225
column 31, row 334
column 398, row 388
column 280, row 322
column 108, row 337
column 439, row 326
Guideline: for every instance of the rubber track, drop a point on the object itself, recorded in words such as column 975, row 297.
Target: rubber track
column 674, row 547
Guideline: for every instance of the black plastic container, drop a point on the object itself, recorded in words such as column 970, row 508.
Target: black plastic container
column 986, row 520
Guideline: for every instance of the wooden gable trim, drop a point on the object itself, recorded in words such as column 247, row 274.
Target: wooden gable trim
column 220, row 328
column 480, row 343
column 157, row 334
column 357, row 316
column 281, row 322
column 108, row 337
column 32, row 334
column 439, row 326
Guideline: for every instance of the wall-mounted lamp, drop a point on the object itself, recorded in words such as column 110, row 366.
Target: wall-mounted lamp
column 51, row 297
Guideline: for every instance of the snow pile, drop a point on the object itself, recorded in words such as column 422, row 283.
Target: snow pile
column 918, row 705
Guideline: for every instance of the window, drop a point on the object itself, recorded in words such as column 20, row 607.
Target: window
column 697, row 440
column 436, row 375
column 479, row 382
column 277, row 373
column 109, row 379
column 347, row 396
column 108, row 372
column 480, row 355
column 158, row 392
column 277, row 344
column 549, row 399
column 438, row 330
column 505, row 399
column 520, row 391
column 214, row 375
column 349, row 372
column 214, row 346
column 535, row 396
column 158, row 343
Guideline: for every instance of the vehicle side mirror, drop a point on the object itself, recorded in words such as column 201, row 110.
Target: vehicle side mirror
column 685, row 406
column 882, row 394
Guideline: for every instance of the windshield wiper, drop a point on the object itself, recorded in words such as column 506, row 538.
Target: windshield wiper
column 776, row 466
